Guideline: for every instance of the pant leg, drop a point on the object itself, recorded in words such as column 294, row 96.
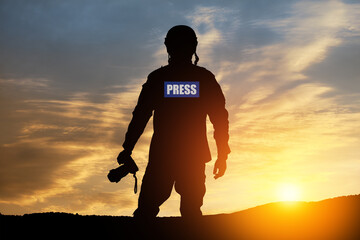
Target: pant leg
column 156, row 188
column 190, row 184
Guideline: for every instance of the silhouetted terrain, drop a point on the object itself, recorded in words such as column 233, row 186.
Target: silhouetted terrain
column 337, row 218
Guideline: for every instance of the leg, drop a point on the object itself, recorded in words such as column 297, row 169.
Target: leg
column 156, row 188
column 190, row 184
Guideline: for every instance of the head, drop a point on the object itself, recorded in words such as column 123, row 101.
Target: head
column 181, row 42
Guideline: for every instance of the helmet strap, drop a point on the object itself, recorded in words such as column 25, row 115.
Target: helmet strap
column 195, row 62
column 196, row 59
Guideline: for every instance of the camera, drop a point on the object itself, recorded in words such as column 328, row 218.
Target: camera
column 128, row 166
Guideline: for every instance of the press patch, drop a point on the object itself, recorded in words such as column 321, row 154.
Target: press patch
column 182, row 89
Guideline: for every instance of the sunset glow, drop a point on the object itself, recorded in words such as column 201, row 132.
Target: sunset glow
column 71, row 74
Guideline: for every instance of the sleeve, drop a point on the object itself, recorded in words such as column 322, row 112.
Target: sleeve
column 141, row 115
column 219, row 117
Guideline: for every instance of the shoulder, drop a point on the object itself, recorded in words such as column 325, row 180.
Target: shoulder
column 203, row 71
column 158, row 72
column 156, row 76
column 206, row 76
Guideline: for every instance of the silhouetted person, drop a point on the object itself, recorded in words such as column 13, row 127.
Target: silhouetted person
column 180, row 95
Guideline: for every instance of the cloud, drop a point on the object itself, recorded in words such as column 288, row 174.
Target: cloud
column 340, row 69
column 282, row 118
column 62, row 147
column 28, row 83
column 72, row 74
column 77, row 46
column 30, row 167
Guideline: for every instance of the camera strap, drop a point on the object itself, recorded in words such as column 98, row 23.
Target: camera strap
column 135, row 186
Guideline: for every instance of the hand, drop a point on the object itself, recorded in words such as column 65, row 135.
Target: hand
column 123, row 156
column 220, row 167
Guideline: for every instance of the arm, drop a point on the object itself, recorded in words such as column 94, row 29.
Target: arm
column 141, row 115
column 219, row 118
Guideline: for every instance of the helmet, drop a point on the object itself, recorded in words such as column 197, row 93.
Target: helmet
column 181, row 42
column 181, row 34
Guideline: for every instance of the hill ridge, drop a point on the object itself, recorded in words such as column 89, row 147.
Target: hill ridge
column 334, row 218
column 354, row 196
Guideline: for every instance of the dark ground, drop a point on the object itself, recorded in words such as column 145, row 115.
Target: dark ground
column 337, row 218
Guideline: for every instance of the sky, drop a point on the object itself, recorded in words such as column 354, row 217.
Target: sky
column 71, row 73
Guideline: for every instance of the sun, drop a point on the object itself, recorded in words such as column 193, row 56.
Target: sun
column 289, row 192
